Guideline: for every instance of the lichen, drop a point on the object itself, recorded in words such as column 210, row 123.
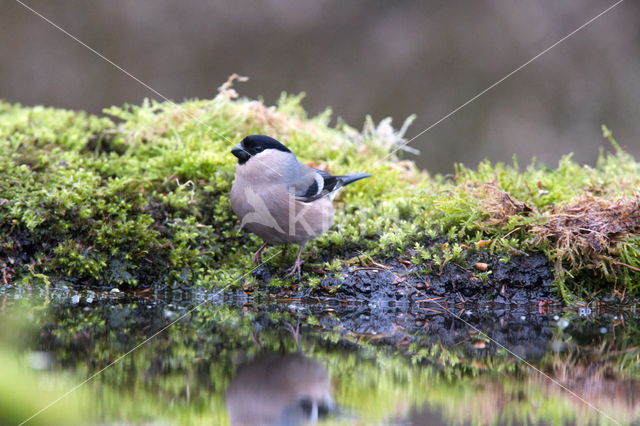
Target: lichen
column 140, row 196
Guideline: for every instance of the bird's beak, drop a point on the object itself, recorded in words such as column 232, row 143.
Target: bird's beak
column 240, row 153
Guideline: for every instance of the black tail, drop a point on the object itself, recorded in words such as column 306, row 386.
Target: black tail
column 331, row 185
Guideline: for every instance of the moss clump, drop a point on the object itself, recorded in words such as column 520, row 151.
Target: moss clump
column 142, row 197
column 584, row 219
column 145, row 200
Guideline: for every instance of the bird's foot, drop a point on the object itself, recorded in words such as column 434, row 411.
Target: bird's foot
column 296, row 269
column 295, row 332
column 258, row 254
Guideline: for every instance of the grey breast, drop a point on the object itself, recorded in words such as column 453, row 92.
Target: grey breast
column 267, row 206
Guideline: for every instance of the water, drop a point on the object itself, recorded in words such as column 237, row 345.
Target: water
column 194, row 357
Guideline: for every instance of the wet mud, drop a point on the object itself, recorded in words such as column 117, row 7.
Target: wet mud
column 524, row 279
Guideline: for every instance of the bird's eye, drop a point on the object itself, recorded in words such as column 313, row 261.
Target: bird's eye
column 259, row 148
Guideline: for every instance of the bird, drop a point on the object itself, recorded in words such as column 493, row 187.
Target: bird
column 280, row 389
column 280, row 199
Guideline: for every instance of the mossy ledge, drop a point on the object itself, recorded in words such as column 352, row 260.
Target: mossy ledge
column 140, row 197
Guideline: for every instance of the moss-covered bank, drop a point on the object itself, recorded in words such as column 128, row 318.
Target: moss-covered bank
column 140, row 197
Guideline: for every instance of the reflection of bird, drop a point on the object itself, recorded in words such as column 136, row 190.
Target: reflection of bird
column 280, row 199
column 279, row 390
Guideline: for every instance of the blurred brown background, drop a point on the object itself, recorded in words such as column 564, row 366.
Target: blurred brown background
column 384, row 58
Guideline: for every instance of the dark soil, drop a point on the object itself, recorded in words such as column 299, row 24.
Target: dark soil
column 524, row 279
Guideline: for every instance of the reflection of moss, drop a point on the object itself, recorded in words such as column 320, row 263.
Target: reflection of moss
column 181, row 375
column 146, row 200
column 27, row 386
column 23, row 392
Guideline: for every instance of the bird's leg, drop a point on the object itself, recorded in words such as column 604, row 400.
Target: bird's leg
column 295, row 333
column 296, row 269
column 255, row 336
column 258, row 254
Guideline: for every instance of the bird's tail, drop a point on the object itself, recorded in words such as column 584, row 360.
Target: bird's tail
column 352, row 177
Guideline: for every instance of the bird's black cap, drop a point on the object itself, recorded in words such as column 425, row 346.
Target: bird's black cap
column 255, row 144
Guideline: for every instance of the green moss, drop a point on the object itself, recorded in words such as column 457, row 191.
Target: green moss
column 142, row 197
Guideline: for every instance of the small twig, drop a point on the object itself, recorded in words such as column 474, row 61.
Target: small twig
column 430, row 299
column 633, row 268
column 512, row 231
column 431, row 310
column 379, row 265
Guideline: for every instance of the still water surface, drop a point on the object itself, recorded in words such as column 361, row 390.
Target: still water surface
column 262, row 361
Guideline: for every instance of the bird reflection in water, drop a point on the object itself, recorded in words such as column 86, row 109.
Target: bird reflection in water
column 283, row 390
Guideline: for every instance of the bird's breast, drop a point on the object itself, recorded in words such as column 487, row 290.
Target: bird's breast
column 271, row 212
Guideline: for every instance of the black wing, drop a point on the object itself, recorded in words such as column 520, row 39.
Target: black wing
column 323, row 184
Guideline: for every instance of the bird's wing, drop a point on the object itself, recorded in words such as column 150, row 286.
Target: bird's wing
column 314, row 184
